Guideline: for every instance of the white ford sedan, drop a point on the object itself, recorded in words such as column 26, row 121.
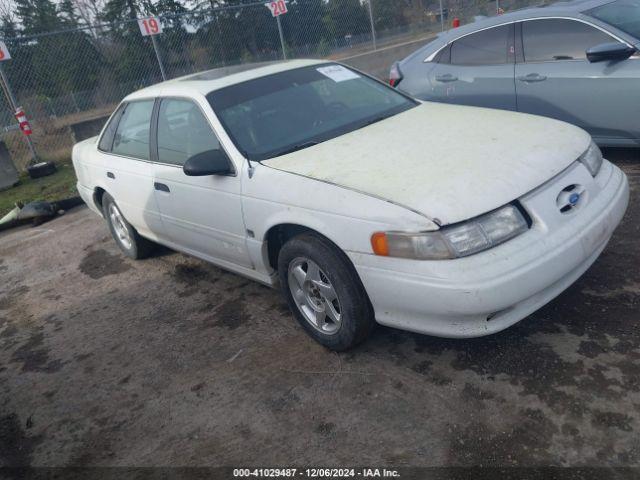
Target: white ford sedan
column 363, row 204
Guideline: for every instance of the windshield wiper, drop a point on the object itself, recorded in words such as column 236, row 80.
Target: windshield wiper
column 295, row 148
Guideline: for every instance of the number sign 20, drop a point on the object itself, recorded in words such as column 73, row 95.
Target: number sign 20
column 277, row 7
column 149, row 26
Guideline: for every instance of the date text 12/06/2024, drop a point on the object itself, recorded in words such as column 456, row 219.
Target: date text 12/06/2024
column 315, row 473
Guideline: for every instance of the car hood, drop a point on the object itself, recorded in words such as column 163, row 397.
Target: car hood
column 446, row 162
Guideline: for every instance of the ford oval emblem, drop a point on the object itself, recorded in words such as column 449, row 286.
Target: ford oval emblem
column 574, row 198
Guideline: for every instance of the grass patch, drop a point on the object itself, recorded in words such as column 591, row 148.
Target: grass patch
column 61, row 184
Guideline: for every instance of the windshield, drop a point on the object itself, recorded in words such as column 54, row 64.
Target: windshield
column 284, row 112
column 622, row 14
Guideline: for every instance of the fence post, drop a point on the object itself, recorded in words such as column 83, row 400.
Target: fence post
column 6, row 87
column 155, row 49
column 284, row 51
column 373, row 28
column 441, row 17
column 224, row 61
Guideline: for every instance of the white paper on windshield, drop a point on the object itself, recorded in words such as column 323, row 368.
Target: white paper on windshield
column 338, row 73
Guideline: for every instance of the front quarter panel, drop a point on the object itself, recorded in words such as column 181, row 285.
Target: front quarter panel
column 348, row 218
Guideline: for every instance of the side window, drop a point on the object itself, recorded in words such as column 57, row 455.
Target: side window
column 487, row 47
column 183, row 132
column 132, row 135
column 444, row 56
column 106, row 141
column 557, row 39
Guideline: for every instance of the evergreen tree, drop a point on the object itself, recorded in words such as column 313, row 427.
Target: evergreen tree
column 346, row 17
column 388, row 14
column 37, row 16
column 304, row 25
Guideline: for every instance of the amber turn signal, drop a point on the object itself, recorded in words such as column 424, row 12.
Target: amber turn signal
column 379, row 244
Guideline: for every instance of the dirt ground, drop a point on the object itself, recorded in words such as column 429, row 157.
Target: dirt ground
column 171, row 361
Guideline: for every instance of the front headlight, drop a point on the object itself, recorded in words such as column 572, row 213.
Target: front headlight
column 454, row 241
column 592, row 159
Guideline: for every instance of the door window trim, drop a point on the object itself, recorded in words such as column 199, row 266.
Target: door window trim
column 520, row 20
column 154, row 157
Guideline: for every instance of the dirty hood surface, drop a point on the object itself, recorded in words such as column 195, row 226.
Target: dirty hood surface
column 447, row 162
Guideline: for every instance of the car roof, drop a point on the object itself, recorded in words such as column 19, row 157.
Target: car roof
column 217, row 78
column 570, row 9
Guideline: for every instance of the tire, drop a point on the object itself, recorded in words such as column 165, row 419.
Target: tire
column 127, row 238
column 42, row 169
column 309, row 292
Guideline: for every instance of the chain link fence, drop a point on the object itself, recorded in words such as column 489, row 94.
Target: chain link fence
column 71, row 80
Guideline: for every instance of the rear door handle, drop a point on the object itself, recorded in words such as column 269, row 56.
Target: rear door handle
column 532, row 77
column 447, row 77
column 161, row 187
column 111, row 175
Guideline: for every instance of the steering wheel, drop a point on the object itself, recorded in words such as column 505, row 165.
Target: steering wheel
column 333, row 109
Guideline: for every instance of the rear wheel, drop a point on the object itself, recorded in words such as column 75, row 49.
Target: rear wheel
column 128, row 239
column 324, row 292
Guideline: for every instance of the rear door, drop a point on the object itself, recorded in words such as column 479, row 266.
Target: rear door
column 477, row 69
column 555, row 79
column 127, row 170
column 202, row 215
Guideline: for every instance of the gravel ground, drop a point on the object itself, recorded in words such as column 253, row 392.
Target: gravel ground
column 171, row 361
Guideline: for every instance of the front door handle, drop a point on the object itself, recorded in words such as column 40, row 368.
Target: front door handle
column 447, row 77
column 161, row 187
column 111, row 175
column 532, row 77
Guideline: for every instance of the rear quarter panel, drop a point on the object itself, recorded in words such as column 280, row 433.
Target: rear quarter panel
column 88, row 164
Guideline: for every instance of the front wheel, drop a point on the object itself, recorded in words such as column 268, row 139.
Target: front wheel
column 324, row 292
column 130, row 242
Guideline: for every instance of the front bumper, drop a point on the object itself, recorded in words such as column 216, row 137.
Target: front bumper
column 490, row 291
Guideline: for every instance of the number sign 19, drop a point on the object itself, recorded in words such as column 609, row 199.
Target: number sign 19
column 277, row 7
column 149, row 26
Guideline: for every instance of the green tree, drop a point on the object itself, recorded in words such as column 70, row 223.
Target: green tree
column 303, row 25
column 388, row 14
column 130, row 57
column 346, row 17
column 51, row 64
column 37, row 16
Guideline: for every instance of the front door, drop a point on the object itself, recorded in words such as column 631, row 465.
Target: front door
column 202, row 215
column 555, row 79
column 477, row 69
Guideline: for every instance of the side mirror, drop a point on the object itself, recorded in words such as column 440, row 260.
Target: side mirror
column 210, row 162
column 610, row 51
